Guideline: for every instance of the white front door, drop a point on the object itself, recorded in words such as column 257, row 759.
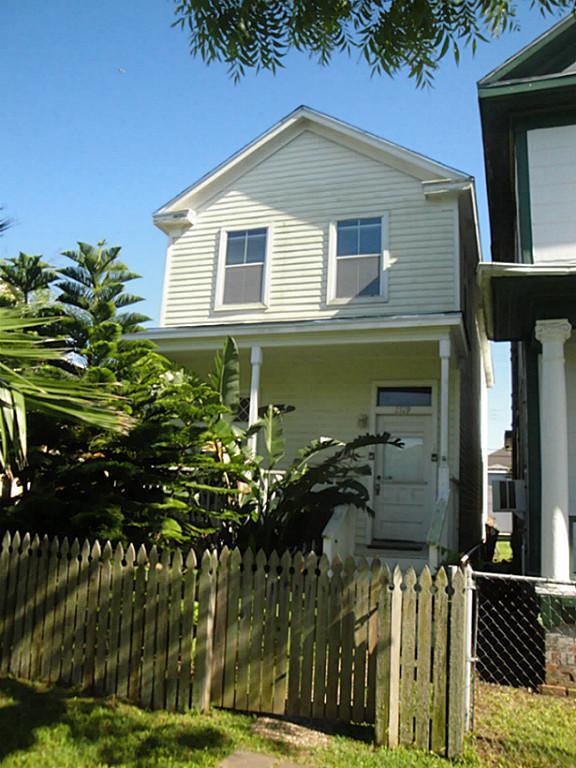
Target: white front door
column 404, row 479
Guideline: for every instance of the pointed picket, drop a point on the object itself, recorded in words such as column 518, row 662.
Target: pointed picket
column 321, row 655
column 20, row 604
column 160, row 661
column 375, row 582
column 308, row 631
column 24, row 669
column 408, row 660
column 334, row 640
column 220, row 627
column 295, row 658
column 116, row 575
column 51, row 590
column 183, row 701
column 424, row 661
column 282, row 633
column 79, row 655
column 150, row 623
column 137, row 644
column 204, row 653
column 347, row 628
column 8, row 629
column 361, row 618
column 127, row 621
column 175, row 584
column 245, row 623
column 4, row 580
column 255, row 679
column 439, row 671
column 232, row 628
column 60, row 606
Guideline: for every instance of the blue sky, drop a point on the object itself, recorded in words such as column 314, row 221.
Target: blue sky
column 106, row 116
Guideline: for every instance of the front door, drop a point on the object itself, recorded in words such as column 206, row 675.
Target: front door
column 404, row 479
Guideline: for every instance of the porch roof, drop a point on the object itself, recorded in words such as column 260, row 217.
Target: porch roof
column 399, row 328
column 515, row 296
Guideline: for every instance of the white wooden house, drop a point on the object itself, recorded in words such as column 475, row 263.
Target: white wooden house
column 343, row 265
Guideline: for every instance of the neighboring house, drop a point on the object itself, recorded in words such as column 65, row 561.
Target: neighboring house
column 528, row 108
column 499, row 472
column 344, row 266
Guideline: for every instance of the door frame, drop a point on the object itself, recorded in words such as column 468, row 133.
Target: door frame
column 376, row 411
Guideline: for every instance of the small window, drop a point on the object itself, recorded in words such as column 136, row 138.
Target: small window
column 358, row 258
column 245, row 256
column 404, row 397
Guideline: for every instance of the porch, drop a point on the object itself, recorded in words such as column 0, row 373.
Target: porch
column 341, row 384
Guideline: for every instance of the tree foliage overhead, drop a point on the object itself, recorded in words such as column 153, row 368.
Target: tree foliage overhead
column 391, row 35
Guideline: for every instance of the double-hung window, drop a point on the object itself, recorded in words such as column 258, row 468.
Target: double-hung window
column 358, row 259
column 243, row 264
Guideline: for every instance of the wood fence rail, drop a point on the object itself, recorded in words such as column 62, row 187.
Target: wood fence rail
column 290, row 635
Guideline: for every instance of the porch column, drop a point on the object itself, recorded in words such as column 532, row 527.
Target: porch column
column 552, row 334
column 443, row 469
column 256, row 364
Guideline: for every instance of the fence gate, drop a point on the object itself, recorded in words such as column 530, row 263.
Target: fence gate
column 525, row 654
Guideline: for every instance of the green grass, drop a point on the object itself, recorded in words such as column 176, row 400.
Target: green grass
column 55, row 728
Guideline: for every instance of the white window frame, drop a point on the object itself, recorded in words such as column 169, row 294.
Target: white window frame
column 219, row 304
column 331, row 297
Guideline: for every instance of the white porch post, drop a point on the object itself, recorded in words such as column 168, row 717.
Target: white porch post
column 443, row 469
column 554, row 449
column 256, row 363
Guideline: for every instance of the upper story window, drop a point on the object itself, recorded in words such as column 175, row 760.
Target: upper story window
column 242, row 267
column 357, row 259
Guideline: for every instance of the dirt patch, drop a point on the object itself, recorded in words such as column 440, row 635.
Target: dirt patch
column 296, row 736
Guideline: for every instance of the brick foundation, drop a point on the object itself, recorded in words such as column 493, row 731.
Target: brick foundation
column 560, row 660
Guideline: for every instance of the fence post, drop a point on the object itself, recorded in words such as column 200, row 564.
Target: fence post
column 388, row 659
column 201, row 688
column 457, row 665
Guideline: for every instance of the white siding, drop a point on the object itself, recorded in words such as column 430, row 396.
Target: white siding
column 298, row 191
column 552, row 171
column 570, row 354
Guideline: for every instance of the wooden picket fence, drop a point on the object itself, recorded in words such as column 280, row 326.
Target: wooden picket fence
column 295, row 635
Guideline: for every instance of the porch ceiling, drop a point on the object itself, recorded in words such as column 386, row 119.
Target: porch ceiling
column 518, row 301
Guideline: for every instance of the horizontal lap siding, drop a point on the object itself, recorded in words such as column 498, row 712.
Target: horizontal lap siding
column 299, row 190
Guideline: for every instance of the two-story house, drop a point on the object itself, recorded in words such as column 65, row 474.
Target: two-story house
column 528, row 108
column 344, row 267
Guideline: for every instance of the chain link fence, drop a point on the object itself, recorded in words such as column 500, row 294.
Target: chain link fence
column 524, row 687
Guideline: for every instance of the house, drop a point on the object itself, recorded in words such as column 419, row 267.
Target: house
column 528, row 109
column 344, row 267
column 499, row 504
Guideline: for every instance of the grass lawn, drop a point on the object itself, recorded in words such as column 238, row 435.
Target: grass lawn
column 51, row 727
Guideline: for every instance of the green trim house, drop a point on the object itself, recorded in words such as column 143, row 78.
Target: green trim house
column 528, row 111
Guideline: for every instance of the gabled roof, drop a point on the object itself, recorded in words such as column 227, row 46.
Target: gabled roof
column 550, row 57
column 435, row 175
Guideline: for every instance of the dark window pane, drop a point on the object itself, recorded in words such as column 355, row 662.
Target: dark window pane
column 256, row 247
column 404, row 396
column 235, row 247
column 358, row 277
column 370, row 237
column 243, row 285
column 347, row 244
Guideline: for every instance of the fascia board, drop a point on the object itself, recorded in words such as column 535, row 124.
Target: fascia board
column 525, row 53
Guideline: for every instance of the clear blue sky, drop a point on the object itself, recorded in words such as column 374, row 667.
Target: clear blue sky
column 106, row 116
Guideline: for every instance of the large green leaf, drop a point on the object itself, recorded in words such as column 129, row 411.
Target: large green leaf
column 227, row 375
column 272, row 436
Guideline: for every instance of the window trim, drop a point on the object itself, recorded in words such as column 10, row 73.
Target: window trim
column 382, row 295
column 219, row 304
